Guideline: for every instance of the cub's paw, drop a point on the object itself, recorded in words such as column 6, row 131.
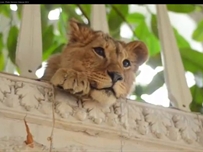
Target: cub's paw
column 72, row 81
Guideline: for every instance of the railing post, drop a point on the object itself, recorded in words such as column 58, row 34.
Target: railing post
column 178, row 91
column 29, row 46
column 98, row 18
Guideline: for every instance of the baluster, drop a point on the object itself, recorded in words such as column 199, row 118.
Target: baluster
column 178, row 91
column 98, row 18
column 29, row 47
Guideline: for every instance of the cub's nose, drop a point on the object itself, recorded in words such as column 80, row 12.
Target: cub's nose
column 115, row 76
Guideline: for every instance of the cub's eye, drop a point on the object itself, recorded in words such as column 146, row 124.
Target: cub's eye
column 126, row 63
column 99, row 51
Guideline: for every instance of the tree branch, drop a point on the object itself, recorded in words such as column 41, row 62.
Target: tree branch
column 148, row 10
column 83, row 13
column 123, row 17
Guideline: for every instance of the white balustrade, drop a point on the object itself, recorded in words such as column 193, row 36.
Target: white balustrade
column 98, row 18
column 29, row 47
column 174, row 73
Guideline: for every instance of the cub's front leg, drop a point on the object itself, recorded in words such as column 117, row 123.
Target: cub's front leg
column 72, row 81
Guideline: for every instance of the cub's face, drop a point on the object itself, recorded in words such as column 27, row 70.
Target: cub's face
column 109, row 64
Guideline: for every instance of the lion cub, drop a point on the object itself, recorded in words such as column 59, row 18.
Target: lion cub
column 94, row 65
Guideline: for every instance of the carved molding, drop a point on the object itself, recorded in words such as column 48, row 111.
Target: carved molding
column 130, row 119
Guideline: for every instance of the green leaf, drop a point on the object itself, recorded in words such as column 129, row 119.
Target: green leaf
column 1, row 52
column 138, row 90
column 181, row 8
column 12, row 42
column 48, row 39
column 181, row 41
column 59, row 48
column 152, row 44
column 192, row 60
column 19, row 11
column 86, row 8
column 50, row 7
column 198, row 8
column 1, row 61
column 5, row 10
column 142, row 32
column 122, row 8
column 155, row 61
column 1, row 42
column 69, row 10
column 154, row 26
column 115, row 19
column 53, row 50
column 197, row 93
column 49, row 51
column 44, row 17
column 135, row 18
column 62, row 26
column 156, row 83
column 198, row 32
column 198, row 78
column 196, row 108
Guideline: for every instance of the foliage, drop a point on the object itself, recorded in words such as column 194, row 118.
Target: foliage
column 54, row 38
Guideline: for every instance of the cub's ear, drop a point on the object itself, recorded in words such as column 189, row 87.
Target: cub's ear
column 138, row 50
column 79, row 32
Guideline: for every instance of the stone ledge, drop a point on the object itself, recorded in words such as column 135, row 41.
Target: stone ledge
column 161, row 127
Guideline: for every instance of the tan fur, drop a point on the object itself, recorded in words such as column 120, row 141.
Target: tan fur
column 82, row 72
